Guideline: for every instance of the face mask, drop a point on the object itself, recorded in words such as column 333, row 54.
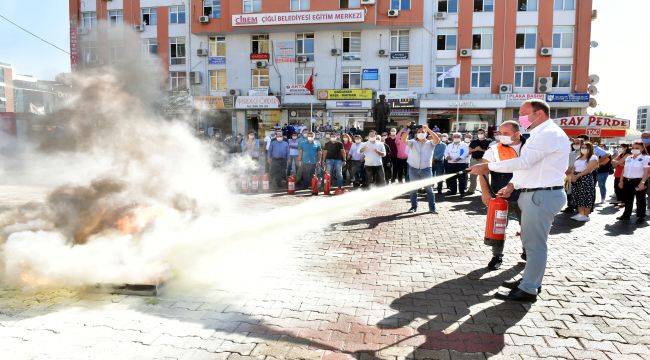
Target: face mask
column 358, row 141
column 294, row 137
column 372, row 139
column 327, row 137
column 456, row 140
column 636, row 151
column 504, row 139
column 468, row 140
column 584, row 151
column 445, row 138
column 524, row 121
column 251, row 136
column 346, row 140
column 576, row 147
column 279, row 138
column 310, row 138
column 393, row 133
column 422, row 136
column 481, row 136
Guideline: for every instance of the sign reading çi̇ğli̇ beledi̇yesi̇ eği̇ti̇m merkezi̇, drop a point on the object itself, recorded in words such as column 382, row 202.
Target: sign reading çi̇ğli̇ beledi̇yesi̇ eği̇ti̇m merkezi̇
column 303, row 17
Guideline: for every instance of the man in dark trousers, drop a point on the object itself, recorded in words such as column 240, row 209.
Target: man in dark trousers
column 380, row 113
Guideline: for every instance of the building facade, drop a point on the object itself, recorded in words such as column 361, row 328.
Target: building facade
column 642, row 123
column 245, row 62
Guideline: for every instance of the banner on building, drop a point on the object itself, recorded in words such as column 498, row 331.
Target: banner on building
column 257, row 102
column 345, row 94
column 213, row 102
column 302, row 17
column 577, row 97
column 593, row 126
column 296, row 89
column 524, row 97
column 370, row 74
column 285, row 52
column 416, row 76
column 217, row 60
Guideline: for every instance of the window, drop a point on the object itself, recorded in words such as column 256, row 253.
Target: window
column 217, row 46
column 302, row 75
column 148, row 16
column 400, row 4
column 351, row 78
column 3, row 105
column 527, row 5
column 399, row 41
column 524, row 76
column 150, row 46
column 481, row 76
column 252, row 6
column 178, row 80
column 299, row 5
column 305, row 45
column 351, row 45
column 115, row 53
column 177, row 14
column 561, row 75
column 212, row 8
column 89, row 53
column 447, row 41
column 399, row 77
column 88, row 19
column 483, row 5
column 349, row 4
column 260, row 44
column 447, row 82
column 565, row 5
column 2, row 75
column 217, row 80
column 559, row 113
column 115, row 17
column 259, row 78
column 563, row 37
column 448, row 6
column 526, row 38
column 482, row 38
column 177, row 50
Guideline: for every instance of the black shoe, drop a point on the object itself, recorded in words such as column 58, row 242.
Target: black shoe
column 412, row 210
column 462, row 195
column 434, row 212
column 495, row 263
column 523, row 256
column 623, row 218
column 569, row 210
column 640, row 220
column 515, row 284
column 517, row 295
column 450, row 193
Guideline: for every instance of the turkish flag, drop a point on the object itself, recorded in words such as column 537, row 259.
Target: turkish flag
column 309, row 85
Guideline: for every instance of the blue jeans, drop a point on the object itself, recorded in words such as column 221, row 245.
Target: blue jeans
column 335, row 168
column 602, row 182
column 419, row 174
column 439, row 169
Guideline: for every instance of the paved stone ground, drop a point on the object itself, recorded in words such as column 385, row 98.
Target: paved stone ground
column 381, row 285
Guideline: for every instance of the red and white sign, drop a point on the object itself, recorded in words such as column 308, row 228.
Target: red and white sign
column 257, row 102
column 300, row 17
column 593, row 126
column 296, row 89
column 524, row 97
column 260, row 56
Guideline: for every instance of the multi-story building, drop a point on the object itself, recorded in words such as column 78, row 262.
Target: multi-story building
column 245, row 62
column 642, row 123
column 6, row 88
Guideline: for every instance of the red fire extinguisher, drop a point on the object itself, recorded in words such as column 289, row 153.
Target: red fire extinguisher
column 291, row 184
column 244, row 184
column 497, row 219
column 327, row 182
column 266, row 185
column 255, row 183
column 314, row 184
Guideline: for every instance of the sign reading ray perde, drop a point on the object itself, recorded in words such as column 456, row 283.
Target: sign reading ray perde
column 301, row 17
column 345, row 94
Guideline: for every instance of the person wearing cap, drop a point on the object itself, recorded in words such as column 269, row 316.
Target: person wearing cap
column 538, row 173
column 420, row 156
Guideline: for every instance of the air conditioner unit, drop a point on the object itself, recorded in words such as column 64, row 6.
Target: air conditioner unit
column 546, row 51
column 262, row 64
column 82, row 30
column 234, row 92
column 204, row 19
column 465, row 52
column 201, row 52
column 382, row 53
column 138, row 28
column 505, row 89
column 594, row 14
column 441, row 15
column 544, row 85
column 367, row 2
column 393, row 13
column 302, row 58
column 195, row 78
column 335, row 52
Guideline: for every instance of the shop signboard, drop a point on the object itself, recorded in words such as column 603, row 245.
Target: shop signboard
column 260, row 56
column 213, row 102
column 345, row 94
column 399, row 99
column 257, row 102
column 348, row 104
column 593, row 126
column 573, row 98
column 370, row 74
column 217, row 60
column 285, row 52
column 296, row 89
column 258, row 92
column 524, row 97
column 300, row 18
column 399, row 55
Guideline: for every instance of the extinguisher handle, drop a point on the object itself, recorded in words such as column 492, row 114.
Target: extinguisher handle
column 487, row 180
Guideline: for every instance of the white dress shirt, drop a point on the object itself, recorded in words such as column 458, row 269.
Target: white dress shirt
column 371, row 156
column 635, row 166
column 543, row 160
column 455, row 151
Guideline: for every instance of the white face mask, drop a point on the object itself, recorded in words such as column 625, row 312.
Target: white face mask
column 251, row 136
column 445, row 138
column 456, row 140
column 504, row 139
column 636, row 152
column 372, row 139
column 279, row 138
column 584, row 151
column 310, row 138
column 576, row 147
column 481, row 136
column 358, row 141
column 468, row 140
column 422, row 136
column 393, row 132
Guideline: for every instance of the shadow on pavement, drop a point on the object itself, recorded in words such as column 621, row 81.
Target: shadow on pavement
column 563, row 224
column 618, row 228
column 373, row 222
column 472, row 205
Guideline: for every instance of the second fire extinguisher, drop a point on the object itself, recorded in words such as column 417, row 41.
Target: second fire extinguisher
column 314, row 184
column 266, row 185
column 255, row 183
column 291, row 184
column 327, row 182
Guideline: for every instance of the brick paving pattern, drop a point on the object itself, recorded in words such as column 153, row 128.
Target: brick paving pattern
column 381, row 285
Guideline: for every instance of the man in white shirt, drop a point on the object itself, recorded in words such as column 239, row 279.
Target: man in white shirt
column 457, row 156
column 538, row 173
column 373, row 150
